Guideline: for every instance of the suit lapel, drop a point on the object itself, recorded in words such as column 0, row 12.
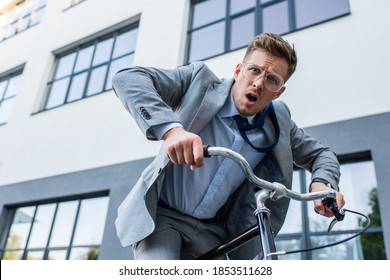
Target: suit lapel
column 214, row 98
column 269, row 130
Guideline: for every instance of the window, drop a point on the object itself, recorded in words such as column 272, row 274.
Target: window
column 88, row 69
column 233, row 23
column 9, row 87
column 20, row 17
column 56, row 231
column 305, row 229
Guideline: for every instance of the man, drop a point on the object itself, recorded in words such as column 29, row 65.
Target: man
column 183, row 205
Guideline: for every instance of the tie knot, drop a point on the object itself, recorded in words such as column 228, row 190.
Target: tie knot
column 243, row 126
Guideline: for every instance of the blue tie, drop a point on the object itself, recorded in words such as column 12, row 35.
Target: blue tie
column 244, row 126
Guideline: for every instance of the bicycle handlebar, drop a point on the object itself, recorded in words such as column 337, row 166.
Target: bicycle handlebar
column 278, row 190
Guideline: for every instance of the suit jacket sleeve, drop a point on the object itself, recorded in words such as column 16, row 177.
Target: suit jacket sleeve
column 312, row 155
column 151, row 94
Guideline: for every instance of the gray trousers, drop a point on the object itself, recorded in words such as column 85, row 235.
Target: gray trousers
column 178, row 236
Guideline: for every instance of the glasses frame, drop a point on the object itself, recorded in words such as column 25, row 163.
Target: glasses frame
column 244, row 64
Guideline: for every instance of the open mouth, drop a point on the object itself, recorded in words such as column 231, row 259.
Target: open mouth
column 251, row 97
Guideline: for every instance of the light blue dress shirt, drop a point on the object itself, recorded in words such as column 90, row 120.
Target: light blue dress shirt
column 202, row 192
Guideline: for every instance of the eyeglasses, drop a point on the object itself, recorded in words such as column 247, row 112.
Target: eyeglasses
column 253, row 72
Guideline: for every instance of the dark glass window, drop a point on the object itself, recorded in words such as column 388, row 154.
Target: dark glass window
column 242, row 30
column 233, row 23
column 308, row 12
column 304, row 229
column 9, row 87
column 202, row 14
column 21, row 17
column 208, row 41
column 88, row 69
column 277, row 11
column 56, row 231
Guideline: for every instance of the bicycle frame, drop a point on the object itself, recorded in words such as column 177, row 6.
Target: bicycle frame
column 267, row 190
column 263, row 230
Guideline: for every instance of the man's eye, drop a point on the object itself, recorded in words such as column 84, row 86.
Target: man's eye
column 272, row 79
column 255, row 71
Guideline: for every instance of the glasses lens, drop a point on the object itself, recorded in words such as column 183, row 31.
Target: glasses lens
column 273, row 82
column 253, row 72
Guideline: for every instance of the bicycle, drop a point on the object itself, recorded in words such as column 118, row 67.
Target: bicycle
column 273, row 191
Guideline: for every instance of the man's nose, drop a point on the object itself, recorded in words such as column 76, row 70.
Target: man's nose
column 259, row 82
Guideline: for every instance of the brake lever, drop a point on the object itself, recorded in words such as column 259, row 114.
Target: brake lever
column 339, row 214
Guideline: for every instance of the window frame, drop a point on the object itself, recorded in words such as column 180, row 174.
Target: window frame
column 304, row 237
column 7, row 76
column 12, row 24
column 11, row 211
column 91, row 41
column 257, row 10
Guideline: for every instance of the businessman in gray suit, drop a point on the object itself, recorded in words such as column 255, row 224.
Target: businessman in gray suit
column 183, row 205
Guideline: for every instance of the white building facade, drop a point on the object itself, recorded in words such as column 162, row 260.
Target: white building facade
column 70, row 152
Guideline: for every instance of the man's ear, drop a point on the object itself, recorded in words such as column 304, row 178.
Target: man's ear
column 279, row 93
column 237, row 70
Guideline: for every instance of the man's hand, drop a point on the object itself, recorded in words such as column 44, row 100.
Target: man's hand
column 184, row 147
column 318, row 206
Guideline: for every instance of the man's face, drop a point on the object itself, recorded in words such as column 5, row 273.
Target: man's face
column 251, row 97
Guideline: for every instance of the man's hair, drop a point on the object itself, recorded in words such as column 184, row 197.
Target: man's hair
column 275, row 45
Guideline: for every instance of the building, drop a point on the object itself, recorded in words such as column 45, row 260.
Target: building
column 69, row 151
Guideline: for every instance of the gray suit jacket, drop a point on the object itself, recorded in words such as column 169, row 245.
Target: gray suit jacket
column 193, row 95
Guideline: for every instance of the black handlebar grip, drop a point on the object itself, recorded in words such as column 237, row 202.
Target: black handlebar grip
column 331, row 203
column 206, row 151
